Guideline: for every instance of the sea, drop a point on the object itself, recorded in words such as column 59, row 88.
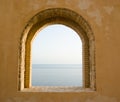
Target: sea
column 57, row 75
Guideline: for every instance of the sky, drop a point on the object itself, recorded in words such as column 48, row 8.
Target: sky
column 56, row 44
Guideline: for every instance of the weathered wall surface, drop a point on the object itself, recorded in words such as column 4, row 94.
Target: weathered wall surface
column 104, row 18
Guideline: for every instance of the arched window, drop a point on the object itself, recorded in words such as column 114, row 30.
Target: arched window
column 72, row 20
column 56, row 57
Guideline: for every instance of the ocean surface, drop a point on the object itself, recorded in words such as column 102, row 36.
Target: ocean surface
column 56, row 75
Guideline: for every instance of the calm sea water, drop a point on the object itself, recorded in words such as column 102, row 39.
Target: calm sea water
column 56, row 75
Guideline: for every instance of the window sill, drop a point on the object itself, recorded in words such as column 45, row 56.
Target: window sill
column 57, row 89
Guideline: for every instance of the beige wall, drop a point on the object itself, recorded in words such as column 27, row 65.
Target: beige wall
column 104, row 18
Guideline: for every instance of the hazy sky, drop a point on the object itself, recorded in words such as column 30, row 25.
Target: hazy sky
column 57, row 44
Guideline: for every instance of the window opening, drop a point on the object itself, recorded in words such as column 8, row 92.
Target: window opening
column 56, row 57
column 46, row 18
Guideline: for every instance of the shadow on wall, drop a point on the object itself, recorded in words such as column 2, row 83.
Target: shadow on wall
column 98, row 98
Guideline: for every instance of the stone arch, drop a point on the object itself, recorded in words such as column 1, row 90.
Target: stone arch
column 57, row 16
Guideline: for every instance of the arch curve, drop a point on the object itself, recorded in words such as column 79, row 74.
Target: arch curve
column 57, row 16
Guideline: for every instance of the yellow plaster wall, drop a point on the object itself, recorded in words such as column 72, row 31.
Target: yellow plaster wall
column 104, row 18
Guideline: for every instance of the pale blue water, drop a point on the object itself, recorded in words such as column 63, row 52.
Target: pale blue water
column 56, row 75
